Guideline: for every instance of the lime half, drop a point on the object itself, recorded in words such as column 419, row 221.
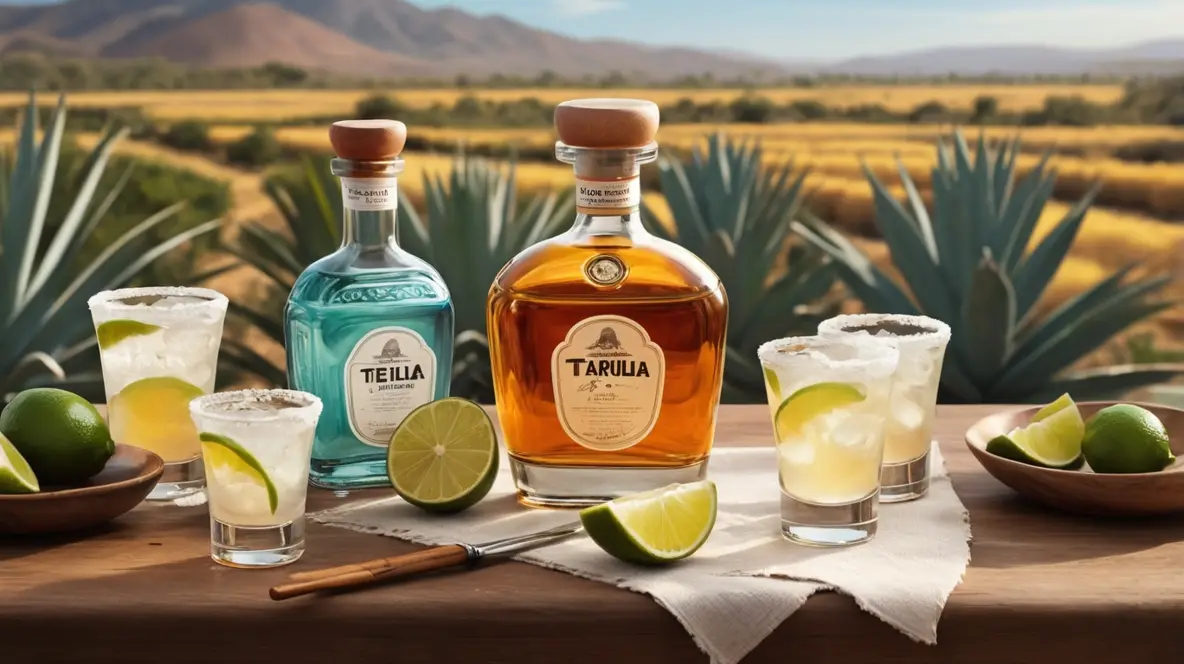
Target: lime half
column 224, row 454
column 15, row 474
column 113, row 331
column 443, row 456
column 1051, row 440
column 654, row 527
column 811, row 401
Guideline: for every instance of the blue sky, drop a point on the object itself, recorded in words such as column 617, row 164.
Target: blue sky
column 833, row 29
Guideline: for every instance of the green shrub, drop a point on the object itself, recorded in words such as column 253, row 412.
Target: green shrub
column 810, row 109
column 379, row 107
column 750, row 109
column 930, row 111
column 190, row 135
column 257, row 149
column 984, row 109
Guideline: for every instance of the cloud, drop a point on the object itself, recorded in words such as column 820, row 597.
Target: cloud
column 586, row 7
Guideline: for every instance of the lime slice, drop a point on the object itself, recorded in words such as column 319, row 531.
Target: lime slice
column 443, row 456
column 225, row 455
column 772, row 384
column 114, row 331
column 1054, row 441
column 15, row 474
column 1062, row 402
column 654, row 527
column 153, row 413
column 810, row 402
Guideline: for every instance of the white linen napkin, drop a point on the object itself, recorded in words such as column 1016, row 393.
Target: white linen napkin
column 746, row 579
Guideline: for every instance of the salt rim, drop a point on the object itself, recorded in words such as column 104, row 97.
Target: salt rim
column 875, row 359
column 110, row 299
column 307, row 410
column 938, row 333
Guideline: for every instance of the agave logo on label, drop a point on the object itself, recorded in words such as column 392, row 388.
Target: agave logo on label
column 608, row 377
column 390, row 372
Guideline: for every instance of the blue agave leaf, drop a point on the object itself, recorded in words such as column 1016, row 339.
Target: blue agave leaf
column 984, row 339
column 1093, row 330
column 1108, row 382
column 1019, row 218
column 14, row 231
column 1034, row 274
column 909, row 253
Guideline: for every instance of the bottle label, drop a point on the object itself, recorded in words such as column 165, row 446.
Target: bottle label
column 390, row 372
column 608, row 379
column 370, row 194
column 608, row 194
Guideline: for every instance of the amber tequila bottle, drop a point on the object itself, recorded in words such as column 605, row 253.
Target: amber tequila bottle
column 607, row 342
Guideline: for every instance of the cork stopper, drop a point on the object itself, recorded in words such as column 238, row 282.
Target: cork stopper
column 368, row 140
column 606, row 123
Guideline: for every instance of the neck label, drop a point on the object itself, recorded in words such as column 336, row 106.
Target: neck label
column 608, row 194
column 370, row 194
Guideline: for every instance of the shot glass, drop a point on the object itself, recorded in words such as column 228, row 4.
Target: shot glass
column 159, row 350
column 256, row 445
column 922, row 344
column 829, row 402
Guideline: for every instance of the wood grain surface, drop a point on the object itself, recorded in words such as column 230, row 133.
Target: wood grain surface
column 1042, row 587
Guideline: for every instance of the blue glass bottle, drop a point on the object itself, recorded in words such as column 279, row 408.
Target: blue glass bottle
column 369, row 328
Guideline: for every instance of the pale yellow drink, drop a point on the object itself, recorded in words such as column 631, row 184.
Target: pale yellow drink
column 159, row 350
column 922, row 343
column 828, row 399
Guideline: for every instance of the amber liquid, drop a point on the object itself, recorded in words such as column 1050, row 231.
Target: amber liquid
column 544, row 292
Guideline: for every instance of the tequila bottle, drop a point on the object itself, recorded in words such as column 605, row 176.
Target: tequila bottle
column 607, row 342
column 369, row 327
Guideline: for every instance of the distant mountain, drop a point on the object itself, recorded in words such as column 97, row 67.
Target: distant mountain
column 398, row 38
column 389, row 37
column 1159, row 56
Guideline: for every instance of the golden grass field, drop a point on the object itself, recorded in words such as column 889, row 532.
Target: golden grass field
column 1132, row 221
column 277, row 105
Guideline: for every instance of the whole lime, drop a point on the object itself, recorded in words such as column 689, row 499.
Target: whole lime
column 59, row 433
column 1126, row 439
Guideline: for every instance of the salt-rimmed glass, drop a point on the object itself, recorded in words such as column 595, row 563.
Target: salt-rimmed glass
column 922, row 344
column 256, row 445
column 829, row 402
column 159, row 350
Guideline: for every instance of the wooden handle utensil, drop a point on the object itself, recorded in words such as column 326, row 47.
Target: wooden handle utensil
column 361, row 574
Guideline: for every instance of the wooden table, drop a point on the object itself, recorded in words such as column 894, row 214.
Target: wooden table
column 1042, row 587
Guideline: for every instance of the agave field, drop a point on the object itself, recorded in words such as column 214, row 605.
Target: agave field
column 277, row 105
column 823, row 169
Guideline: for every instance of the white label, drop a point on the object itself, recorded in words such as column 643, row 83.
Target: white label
column 608, row 193
column 370, row 194
column 390, row 372
column 608, row 377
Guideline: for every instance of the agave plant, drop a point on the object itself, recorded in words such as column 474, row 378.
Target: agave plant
column 736, row 215
column 967, row 262
column 472, row 224
column 47, row 330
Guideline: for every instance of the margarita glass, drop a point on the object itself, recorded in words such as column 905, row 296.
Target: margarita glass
column 159, row 351
column 829, row 402
column 922, row 344
column 257, row 445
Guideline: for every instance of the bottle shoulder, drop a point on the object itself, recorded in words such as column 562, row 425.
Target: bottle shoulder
column 347, row 276
column 653, row 268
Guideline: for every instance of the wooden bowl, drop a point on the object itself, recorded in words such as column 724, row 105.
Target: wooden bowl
column 1084, row 491
column 128, row 477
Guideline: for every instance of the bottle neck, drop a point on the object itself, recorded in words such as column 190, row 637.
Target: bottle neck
column 608, row 196
column 370, row 219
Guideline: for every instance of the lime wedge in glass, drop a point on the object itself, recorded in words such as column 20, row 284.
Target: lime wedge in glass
column 15, row 474
column 113, row 331
column 1051, row 440
column 810, row 402
column 654, row 527
column 443, row 456
column 224, row 455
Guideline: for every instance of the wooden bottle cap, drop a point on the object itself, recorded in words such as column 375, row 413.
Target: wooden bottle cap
column 606, row 123
column 368, row 140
